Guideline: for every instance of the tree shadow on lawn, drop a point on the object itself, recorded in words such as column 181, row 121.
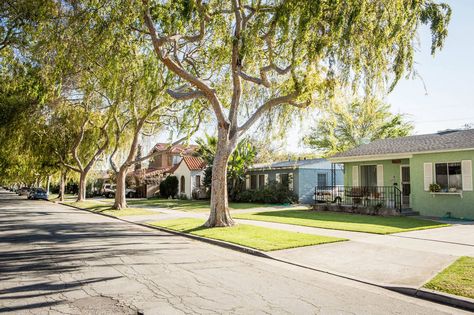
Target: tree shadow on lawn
column 351, row 218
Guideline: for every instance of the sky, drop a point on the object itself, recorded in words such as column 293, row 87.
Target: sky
column 442, row 98
column 448, row 99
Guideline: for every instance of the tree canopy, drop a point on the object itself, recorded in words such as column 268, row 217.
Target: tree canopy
column 344, row 126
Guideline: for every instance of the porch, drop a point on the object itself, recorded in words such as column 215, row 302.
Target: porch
column 365, row 197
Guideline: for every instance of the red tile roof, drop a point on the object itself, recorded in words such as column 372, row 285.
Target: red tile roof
column 194, row 163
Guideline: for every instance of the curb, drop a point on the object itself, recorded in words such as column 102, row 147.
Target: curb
column 240, row 248
column 424, row 294
column 437, row 297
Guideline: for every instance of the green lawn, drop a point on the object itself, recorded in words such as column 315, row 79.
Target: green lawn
column 457, row 279
column 194, row 205
column 264, row 239
column 343, row 221
column 105, row 207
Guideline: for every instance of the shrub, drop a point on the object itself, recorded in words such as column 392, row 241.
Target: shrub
column 272, row 193
column 169, row 187
column 435, row 188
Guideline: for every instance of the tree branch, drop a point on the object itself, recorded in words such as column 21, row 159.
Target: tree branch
column 267, row 106
column 179, row 71
column 184, row 96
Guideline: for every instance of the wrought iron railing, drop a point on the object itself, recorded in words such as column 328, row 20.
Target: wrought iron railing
column 360, row 196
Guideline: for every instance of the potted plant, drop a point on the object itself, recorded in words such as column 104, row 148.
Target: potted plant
column 435, row 188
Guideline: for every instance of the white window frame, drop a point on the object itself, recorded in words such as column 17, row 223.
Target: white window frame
column 447, row 166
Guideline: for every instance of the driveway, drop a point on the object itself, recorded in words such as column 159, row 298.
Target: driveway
column 57, row 260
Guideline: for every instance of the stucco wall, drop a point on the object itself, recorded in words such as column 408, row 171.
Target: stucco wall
column 391, row 171
column 425, row 203
column 420, row 200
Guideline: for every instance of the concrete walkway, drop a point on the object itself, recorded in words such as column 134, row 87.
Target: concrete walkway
column 408, row 259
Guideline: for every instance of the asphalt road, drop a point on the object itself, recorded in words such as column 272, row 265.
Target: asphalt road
column 58, row 260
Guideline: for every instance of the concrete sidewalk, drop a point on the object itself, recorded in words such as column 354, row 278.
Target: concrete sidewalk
column 408, row 259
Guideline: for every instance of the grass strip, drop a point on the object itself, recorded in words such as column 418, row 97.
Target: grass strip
column 457, row 279
column 343, row 221
column 260, row 238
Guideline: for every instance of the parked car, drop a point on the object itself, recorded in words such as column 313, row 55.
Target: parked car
column 130, row 193
column 332, row 194
column 24, row 191
column 108, row 190
column 38, row 193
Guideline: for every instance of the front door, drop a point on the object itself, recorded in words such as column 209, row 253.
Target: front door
column 405, row 185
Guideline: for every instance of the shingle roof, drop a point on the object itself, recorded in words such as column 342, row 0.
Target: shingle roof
column 441, row 141
column 194, row 163
column 287, row 164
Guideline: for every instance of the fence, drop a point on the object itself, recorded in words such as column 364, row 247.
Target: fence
column 360, row 196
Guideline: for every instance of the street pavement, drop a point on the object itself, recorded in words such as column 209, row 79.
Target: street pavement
column 59, row 260
column 408, row 259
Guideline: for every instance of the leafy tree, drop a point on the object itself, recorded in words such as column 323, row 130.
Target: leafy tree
column 253, row 59
column 345, row 126
column 239, row 161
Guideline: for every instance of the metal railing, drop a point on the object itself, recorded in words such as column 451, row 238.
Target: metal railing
column 360, row 196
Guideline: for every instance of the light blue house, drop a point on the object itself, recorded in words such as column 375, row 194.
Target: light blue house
column 301, row 176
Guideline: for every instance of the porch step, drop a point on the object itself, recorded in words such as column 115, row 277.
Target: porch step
column 409, row 212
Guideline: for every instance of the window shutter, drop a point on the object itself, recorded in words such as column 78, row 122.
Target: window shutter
column 427, row 175
column 355, row 175
column 290, row 181
column 266, row 179
column 247, row 181
column 278, row 179
column 379, row 175
column 466, row 170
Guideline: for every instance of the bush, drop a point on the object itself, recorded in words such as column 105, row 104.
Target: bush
column 169, row 187
column 272, row 193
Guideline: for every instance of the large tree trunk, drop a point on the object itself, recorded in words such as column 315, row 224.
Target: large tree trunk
column 81, row 195
column 62, row 185
column 120, row 200
column 220, row 215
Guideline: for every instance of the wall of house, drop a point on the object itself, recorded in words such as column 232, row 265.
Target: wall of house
column 304, row 180
column 438, row 205
column 308, row 179
column 189, row 179
column 183, row 171
column 163, row 160
column 272, row 175
column 391, row 170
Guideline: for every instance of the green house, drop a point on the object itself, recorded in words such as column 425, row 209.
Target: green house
column 432, row 173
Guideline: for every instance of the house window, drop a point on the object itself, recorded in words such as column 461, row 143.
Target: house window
column 198, row 181
column 253, row 181
column 261, row 181
column 284, row 179
column 448, row 175
column 368, row 175
column 182, row 185
column 169, row 160
column 322, row 180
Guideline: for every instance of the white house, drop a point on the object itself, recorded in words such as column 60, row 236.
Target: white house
column 190, row 174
